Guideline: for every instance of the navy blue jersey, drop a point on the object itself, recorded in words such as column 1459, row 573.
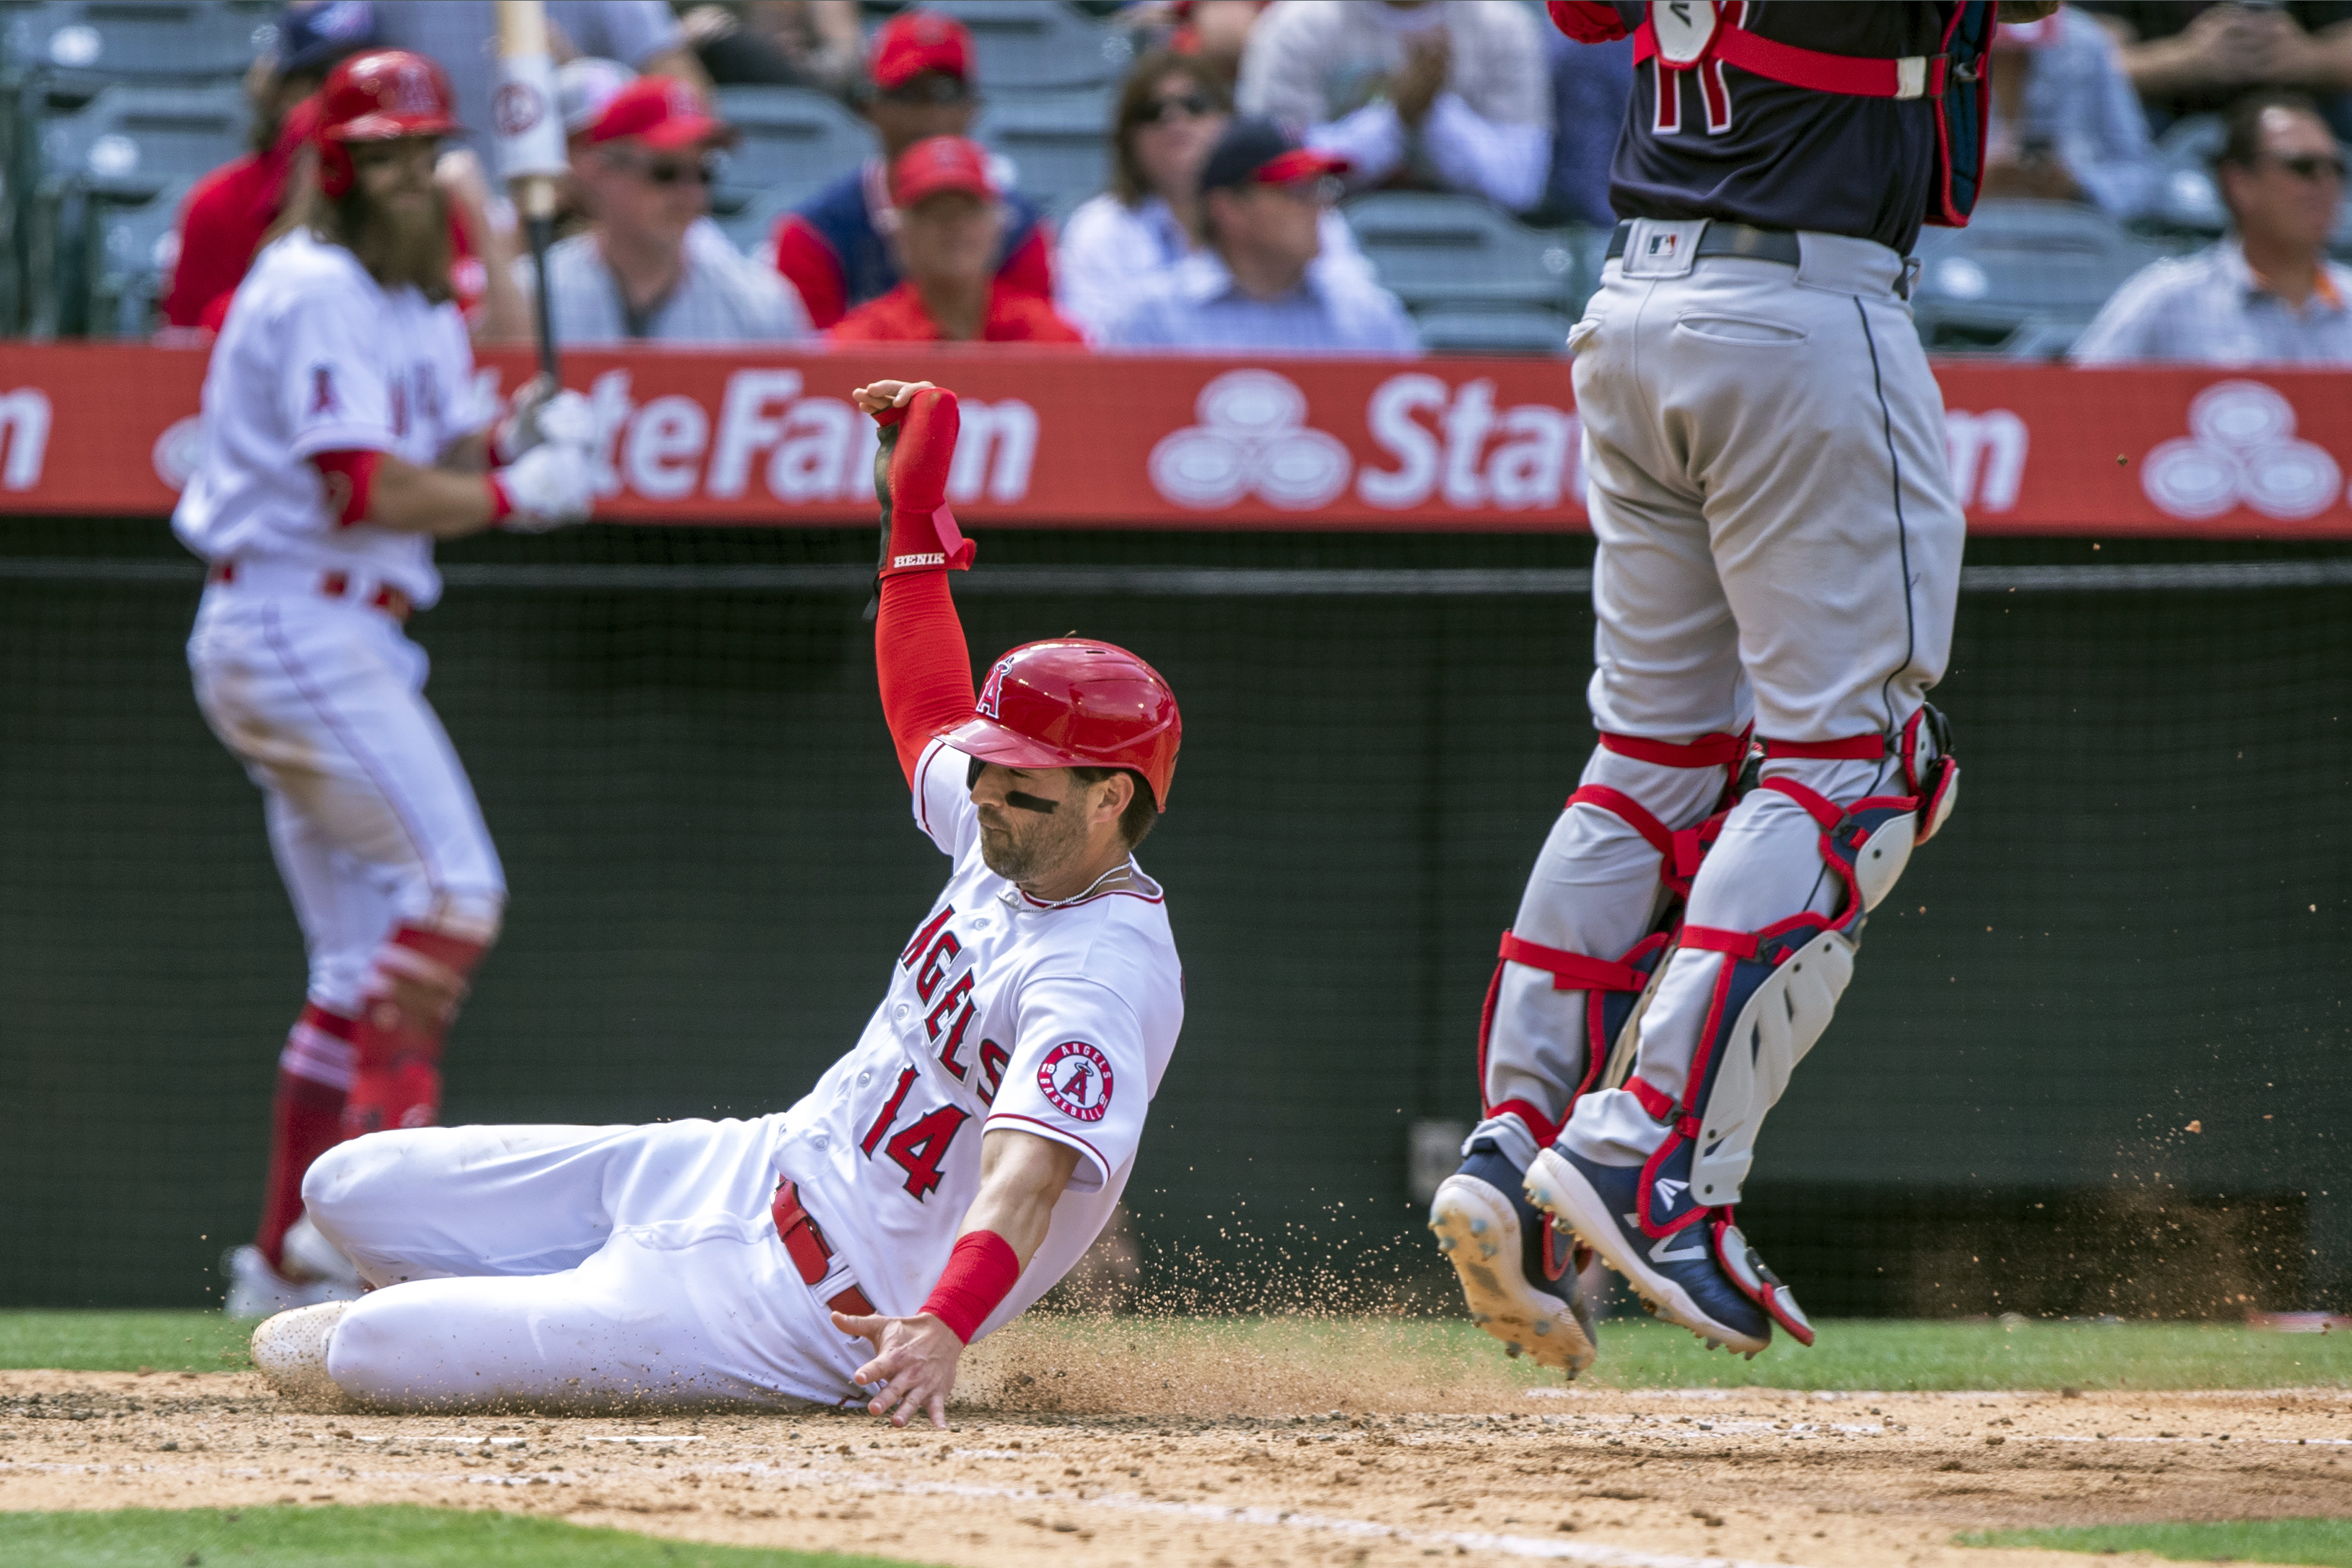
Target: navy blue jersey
column 1790, row 157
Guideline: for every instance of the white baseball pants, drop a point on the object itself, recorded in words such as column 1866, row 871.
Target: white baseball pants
column 1778, row 544
column 371, row 815
column 590, row 1266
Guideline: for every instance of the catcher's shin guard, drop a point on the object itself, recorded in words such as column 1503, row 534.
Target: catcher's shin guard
column 419, row 978
column 1774, row 995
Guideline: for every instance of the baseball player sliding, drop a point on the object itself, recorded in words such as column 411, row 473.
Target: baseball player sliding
column 1779, row 553
column 937, row 1180
column 344, row 434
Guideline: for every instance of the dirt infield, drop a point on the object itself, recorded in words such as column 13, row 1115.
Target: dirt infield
column 1193, row 1457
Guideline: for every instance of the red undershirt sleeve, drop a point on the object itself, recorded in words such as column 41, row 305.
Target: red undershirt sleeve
column 922, row 660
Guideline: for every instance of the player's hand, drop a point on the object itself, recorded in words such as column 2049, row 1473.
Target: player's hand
column 551, row 486
column 915, row 1361
column 886, row 395
column 539, row 412
column 1416, row 84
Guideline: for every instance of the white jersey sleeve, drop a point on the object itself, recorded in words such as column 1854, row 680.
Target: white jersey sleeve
column 1081, row 1075
column 335, row 395
column 943, row 807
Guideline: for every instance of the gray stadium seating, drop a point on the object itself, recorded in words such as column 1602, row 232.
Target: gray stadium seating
column 132, row 250
column 126, row 146
column 1432, row 249
column 1024, row 44
column 2025, row 278
column 794, row 140
column 1504, row 329
column 94, row 43
column 1057, row 142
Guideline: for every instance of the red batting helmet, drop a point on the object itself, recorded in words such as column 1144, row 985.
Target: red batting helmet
column 378, row 96
column 1075, row 703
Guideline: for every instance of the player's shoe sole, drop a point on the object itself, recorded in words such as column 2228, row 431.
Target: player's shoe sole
column 289, row 1351
column 1556, row 1185
column 1479, row 1231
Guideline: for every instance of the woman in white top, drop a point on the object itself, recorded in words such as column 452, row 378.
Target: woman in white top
column 1171, row 111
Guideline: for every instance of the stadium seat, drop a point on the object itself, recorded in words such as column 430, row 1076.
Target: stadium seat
column 1498, row 329
column 1024, row 44
column 1432, row 249
column 1057, row 142
column 794, row 141
column 2020, row 275
column 105, row 41
column 132, row 251
column 126, row 146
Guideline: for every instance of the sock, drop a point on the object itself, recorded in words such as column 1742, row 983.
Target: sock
column 305, row 1118
column 397, row 1079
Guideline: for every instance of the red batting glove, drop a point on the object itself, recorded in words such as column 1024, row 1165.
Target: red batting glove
column 911, row 480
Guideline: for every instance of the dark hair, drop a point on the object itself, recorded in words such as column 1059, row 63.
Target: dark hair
column 2242, row 146
column 1142, row 811
column 1135, row 99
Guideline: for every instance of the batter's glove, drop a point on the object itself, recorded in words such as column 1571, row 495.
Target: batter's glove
column 552, row 486
column 540, row 412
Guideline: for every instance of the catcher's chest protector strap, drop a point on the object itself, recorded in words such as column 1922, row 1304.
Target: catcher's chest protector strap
column 1702, row 38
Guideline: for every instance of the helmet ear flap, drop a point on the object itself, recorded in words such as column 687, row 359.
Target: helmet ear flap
column 336, row 175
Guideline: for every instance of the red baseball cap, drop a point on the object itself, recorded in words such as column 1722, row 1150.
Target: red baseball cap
column 913, row 42
column 661, row 111
column 939, row 163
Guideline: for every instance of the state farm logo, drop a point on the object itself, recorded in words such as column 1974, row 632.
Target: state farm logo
column 1251, row 440
column 2241, row 450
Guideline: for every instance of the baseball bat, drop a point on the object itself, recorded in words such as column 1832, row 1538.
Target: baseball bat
column 531, row 155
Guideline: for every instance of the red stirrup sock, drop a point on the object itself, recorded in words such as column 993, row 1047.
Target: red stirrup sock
column 397, row 1077
column 306, row 1118
column 918, row 445
column 981, row 1272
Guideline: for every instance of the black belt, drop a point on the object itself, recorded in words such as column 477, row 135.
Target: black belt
column 1722, row 239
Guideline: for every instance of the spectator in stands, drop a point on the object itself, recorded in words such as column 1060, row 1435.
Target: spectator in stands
column 231, row 208
column 1448, row 94
column 778, row 42
column 2193, row 56
column 1590, row 85
column 835, row 247
column 1215, row 32
column 463, row 36
column 634, row 274
column 583, row 87
column 2065, row 123
column 950, row 224
column 1255, row 286
column 2265, row 295
column 1170, row 113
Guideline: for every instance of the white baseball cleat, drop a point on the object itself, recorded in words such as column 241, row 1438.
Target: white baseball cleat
column 290, row 1351
column 312, row 1259
column 258, row 1290
column 1478, row 1229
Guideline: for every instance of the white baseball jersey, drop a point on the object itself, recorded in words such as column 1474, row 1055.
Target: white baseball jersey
column 1053, row 1019
column 316, row 356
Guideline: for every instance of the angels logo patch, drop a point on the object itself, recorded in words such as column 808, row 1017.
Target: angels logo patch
column 992, row 692
column 1077, row 1077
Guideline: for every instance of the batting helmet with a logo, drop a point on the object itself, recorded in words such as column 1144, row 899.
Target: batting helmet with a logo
column 1072, row 702
column 378, row 96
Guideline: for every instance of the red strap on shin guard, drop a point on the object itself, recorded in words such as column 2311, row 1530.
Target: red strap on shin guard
column 1573, row 971
column 981, row 1272
column 923, row 533
column 1711, row 751
column 1541, row 1127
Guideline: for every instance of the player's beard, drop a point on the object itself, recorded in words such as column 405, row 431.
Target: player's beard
column 1048, row 843
column 397, row 245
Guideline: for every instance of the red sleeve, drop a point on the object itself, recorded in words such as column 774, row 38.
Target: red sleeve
column 1029, row 268
column 809, row 265
column 351, row 482
column 216, row 241
column 924, row 666
column 1588, row 21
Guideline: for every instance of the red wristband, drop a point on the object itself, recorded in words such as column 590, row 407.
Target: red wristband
column 981, row 1272
column 501, row 503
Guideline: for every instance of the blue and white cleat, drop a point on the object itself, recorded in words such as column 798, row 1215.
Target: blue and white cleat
column 1516, row 1271
column 1685, row 1275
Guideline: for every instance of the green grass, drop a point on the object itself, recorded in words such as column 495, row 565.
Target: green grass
column 1634, row 1354
column 2326, row 1542
column 397, row 1536
column 125, row 1342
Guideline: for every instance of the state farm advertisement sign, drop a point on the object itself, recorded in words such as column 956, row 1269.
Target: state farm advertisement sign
column 1064, row 439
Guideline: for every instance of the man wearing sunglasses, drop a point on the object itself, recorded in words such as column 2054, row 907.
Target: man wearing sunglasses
column 2266, row 294
column 644, row 173
column 836, row 249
